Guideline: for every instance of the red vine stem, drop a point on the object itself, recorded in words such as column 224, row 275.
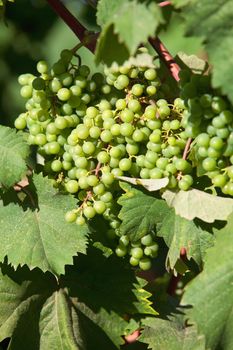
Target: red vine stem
column 166, row 57
column 187, row 148
column 72, row 22
column 164, row 3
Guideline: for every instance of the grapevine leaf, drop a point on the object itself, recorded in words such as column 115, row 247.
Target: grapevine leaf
column 170, row 334
column 140, row 212
column 180, row 3
column 211, row 293
column 41, row 233
column 149, row 184
column 13, row 152
column 198, row 204
column 84, row 312
column 124, row 22
column 115, row 286
column 196, row 64
column 109, row 49
column 181, row 233
column 212, row 21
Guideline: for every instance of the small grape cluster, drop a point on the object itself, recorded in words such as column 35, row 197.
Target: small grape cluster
column 141, row 252
column 209, row 120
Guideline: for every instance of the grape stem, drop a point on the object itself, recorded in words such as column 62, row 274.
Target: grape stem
column 164, row 3
column 166, row 57
column 88, row 39
column 187, row 148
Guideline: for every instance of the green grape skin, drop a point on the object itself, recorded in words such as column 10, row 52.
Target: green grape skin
column 106, row 197
column 121, row 251
column 216, row 142
column 147, row 240
column 203, row 139
column 137, row 89
column 103, row 157
column 150, row 112
column 80, row 221
column 56, row 165
column 209, row 164
column 38, row 84
column 133, row 261
column 219, row 180
column 136, row 252
column 155, row 174
column 70, row 216
column 151, row 90
column 183, row 185
column 92, row 180
column 20, row 123
column 145, row 264
column 150, row 74
column 107, row 179
column 64, row 94
column 72, row 186
column 125, row 164
column 89, row 212
column 106, row 136
column 99, row 207
column 134, row 105
column 99, row 189
column 127, row 115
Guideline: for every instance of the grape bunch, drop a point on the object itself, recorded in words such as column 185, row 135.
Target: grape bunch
column 209, row 121
column 92, row 129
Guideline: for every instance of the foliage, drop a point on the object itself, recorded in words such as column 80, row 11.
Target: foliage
column 85, row 213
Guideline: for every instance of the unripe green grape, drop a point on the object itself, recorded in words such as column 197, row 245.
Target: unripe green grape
column 121, row 251
column 209, row 164
column 66, row 165
column 137, row 89
column 99, row 207
column 106, row 197
column 80, row 221
column 145, row 264
column 138, row 135
column 220, row 180
column 89, row 212
column 60, row 123
column 218, row 105
column 72, row 186
column 134, row 105
column 155, row 173
column 150, row 74
column 153, row 124
column 151, row 90
column 147, row 240
column 133, row 261
column 114, row 162
column 88, row 147
column 64, row 94
column 99, row 189
column 20, row 123
column 127, row 115
column 70, row 216
column 125, row 164
column 124, row 240
column 106, row 136
column 150, row 112
column 117, row 172
column 54, row 147
column 40, row 140
column 107, row 178
column 83, row 183
column 126, row 129
column 103, row 157
column 81, row 162
column 42, row 67
column 104, row 105
column 213, row 153
column 26, row 91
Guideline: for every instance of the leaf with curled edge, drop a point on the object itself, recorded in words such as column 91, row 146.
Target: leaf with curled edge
column 199, row 204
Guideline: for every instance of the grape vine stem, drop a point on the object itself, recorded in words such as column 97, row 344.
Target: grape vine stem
column 78, row 29
column 166, row 57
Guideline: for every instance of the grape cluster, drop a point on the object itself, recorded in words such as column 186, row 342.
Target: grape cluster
column 209, row 121
column 92, row 129
column 140, row 252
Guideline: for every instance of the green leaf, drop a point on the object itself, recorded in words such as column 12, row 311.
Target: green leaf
column 140, row 212
column 13, row 152
column 194, row 63
column 212, row 21
column 181, row 233
column 211, row 293
column 114, row 285
column 170, row 334
column 198, row 204
column 109, row 49
column 83, row 310
column 149, row 184
column 123, row 28
column 41, row 233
